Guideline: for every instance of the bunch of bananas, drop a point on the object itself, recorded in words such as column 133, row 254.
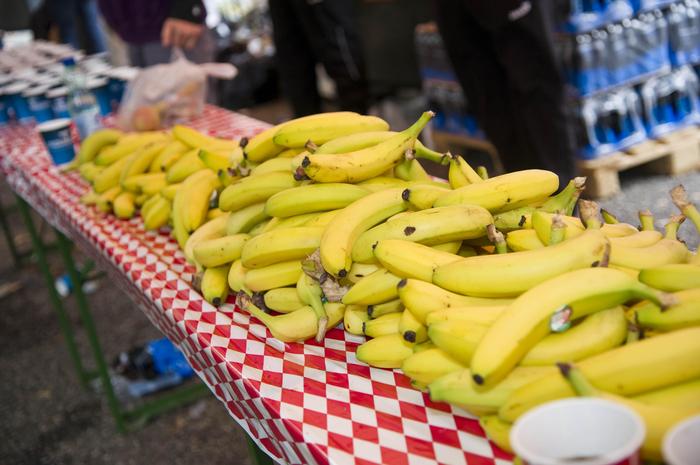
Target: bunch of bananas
column 475, row 287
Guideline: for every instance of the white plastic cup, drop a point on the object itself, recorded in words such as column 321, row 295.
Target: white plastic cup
column 681, row 445
column 580, row 431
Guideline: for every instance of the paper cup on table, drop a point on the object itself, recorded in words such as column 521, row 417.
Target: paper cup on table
column 56, row 135
column 58, row 98
column 580, row 431
column 681, row 445
column 39, row 105
column 18, row 104
column 100, row 88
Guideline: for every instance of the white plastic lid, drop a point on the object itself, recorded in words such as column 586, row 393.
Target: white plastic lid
column 34, row 91
column 57, row 92
column 95, row 82
column 53, row 125
column 16, row 88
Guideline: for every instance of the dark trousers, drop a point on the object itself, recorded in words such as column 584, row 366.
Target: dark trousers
column 507, row 69
column 309, row 32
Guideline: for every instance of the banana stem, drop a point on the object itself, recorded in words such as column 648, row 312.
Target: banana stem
column 558, row 230
column 680, row 199
column 246, row 303
column 646, row 220
column 482, row 172
column 310, row 146
column 428, row 154
column 608, row 217
column 575, row 378
column 590, row 214
column 634, row 333
column 671, row 228
column 497, row 238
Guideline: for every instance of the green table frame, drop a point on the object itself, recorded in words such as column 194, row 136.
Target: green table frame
column 125, row 419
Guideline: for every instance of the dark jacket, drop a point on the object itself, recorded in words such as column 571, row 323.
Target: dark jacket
column 140, row 21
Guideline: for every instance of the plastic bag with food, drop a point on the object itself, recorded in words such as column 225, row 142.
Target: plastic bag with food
column 162, row 95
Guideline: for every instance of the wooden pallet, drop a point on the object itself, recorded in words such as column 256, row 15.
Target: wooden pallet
column 675, row 153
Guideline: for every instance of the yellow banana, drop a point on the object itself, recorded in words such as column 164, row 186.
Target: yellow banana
column 375, row 288
column 261, row 146
column 423, row 298
column 323, row 127
column 618, row 230
column 189, row 163
column 236, row 277
column 457, row 338
column 109, row 177
column 504, row 275
column 138, row 164
column 280, row 245
column 388, row 351
column 527, row 320
column 663, row 252
column 290, row 222
column 498, row 431
column 670, row 278
column 89, row 171
column 169, row 191
column 195, row 139
column 360, row 270
column 273, row 276
column 141, row 199
column 638, row 239
column 381, row 326
column 542, row 224
column 680, row 199
column 461, row 173
column 411, row 329
column 422, row 196
column 672, row 358
column 432, row 226
column 157, row 216
column 385, row 308
column 428, row 365
column 313, row 198
column 272, row 165
column 682, row 395
column 684, row 312
column 125, row 147
column 169, row 155
column 219, row 251
column 354, row 319
column 254, row 189
column 95, row 142
column 124, row 206
column 214, row 160
column 505, row 192
column 243, row 220
column 215, row 285
column 365, row 163
column 410, row 169
column 341, row 233
column 311, row 294
column 283, row 299
column 196, row 191
column 484, row 316
column 522, row 240
column 646, row 220
column 149, row 183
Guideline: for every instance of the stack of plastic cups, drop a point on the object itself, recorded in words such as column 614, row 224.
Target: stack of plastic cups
column 16, row 101
column 99, row 86
column 119, row 78
column 58, row 98
column 39, row 105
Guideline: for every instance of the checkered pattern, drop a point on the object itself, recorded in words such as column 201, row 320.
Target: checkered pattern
column 302, row 403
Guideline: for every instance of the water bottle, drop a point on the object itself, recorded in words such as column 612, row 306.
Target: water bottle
column 64, row 285
column 82, row 104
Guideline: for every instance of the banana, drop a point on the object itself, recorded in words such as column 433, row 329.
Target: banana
column 498, row 431
column 380, row 183
column 457, row 338
column 322, row 219
column 255, row 189
column 213, row 160
column 290, row 222
column 236, row 278
column 313, row 198
column 484, row 316
column 219, row 251
column 682, row 395
column 215, row 213
column 272, row 165
column 375, row 288
column 663, row 252
column 638, row 239
column 684, row 312
column 354, row 319
column 89, row 171
column 273, row 276
column 280, row 245
column 431, row 226
column 196, row 191
column 169, row 155
column 259, row 228
column 388, row 351
column 505, row 192
column 148, row 204
column 381, row 326
column 141, row 199
column 377, row 310
column 360, row 270
column 527, row 320
column 283, row 299
column 149, row 183
column 671, row 357
column 658, row 419
column 189, row 163
column 671, row 278
column 461, row 173
column 680, row 199
column 423, row 196
column 595, row 334
column 646, row 220
column 322, row 128
column 366, row 163
column 505, row 275
column 126, row 147
column 311, row 294
column 340, row 234
column 355, row 141
column 157, row 216
column 423, row 298
column 243, row 220
column 179, row 230
column 411, row 329
column 215, row 285
column 608, row 217
column 448, row 247
column 542, row 224
column 109, row 177
column 618, row 230
column 672, row 226
column 196, row 140
column 457, row 389
column 261, row 146
column 410, row 169
column 299, row 325
column 95, row 142
column 411, row 260
column 522, row 240
column 124, row 206
column 139, row 164
column 290, row 153
column 428, row 365
column 169, row 191
column 514, row 219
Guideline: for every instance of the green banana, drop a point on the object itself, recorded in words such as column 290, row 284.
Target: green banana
column 683, row 313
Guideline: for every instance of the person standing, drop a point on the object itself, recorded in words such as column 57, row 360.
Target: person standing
column 65, row 13
column 151, row 27
column 307, row 32
column 502, row 53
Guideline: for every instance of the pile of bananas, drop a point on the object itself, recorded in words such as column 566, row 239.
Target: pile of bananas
column 476, row 287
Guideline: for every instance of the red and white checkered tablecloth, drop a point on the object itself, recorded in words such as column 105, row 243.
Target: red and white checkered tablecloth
column 302, row 403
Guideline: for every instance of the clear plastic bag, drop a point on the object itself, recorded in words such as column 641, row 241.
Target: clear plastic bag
column 162, row 95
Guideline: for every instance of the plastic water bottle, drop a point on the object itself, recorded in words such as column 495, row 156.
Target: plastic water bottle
column 82, row 104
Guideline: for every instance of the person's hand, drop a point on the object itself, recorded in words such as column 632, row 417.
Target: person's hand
column 180, row 33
